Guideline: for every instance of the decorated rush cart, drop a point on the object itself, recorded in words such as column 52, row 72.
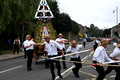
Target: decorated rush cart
column 44, row 15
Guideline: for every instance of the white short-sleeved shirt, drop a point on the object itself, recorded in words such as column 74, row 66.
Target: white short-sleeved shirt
column 100, row 55
column 51, row 48
column 115, row 44
column 27, row 43
column 74, row 50
column 62, row 44
column 116, row 53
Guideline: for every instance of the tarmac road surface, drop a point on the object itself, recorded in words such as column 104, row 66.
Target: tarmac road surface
column 15, row 69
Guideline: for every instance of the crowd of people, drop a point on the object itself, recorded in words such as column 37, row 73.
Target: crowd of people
column 54, row 48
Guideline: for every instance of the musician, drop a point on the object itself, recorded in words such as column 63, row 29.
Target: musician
column 99, row 57
column 51, row 51
column 61, row 41
column 75, row 57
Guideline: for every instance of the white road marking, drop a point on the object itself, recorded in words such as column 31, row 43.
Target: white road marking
column 69, row 69
column 88, row 73
column 10, row 69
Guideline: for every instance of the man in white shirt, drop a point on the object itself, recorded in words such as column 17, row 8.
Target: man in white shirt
column 29, row 45
column 75, row 57
column 61, row 41
column 115, row 56
column 99, row 57
column 51, row 51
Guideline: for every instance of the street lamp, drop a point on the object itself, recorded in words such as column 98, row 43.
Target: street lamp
column 116, row 14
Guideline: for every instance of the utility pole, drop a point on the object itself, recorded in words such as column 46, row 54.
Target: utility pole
column 23, row 33
column 117, row 15
column 116, row 19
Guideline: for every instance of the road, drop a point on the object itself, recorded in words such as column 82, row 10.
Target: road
column 15, row 69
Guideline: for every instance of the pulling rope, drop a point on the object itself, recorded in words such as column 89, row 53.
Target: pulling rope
column 111, row 62
column 97, row 64
column 87, row 63
column 70, row 61
column 104, row 64
column 71, row 54
column 75, row 61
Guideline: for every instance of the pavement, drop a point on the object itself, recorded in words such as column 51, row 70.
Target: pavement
column 11, row 56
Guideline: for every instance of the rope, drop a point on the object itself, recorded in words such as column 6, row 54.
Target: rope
column 70, row 61
column 105, row 65
column 109, row 51
column 74, row 61
column 70, row 54
column 87, row 63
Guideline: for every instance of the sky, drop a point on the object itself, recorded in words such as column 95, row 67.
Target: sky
column 97, row 12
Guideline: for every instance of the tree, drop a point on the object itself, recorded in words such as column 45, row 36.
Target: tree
column 107, row 32
column 14, row 12
column 64, row 23
column 94, row 31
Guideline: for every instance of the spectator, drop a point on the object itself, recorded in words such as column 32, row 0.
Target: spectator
column 9, row 44
column 16, row 45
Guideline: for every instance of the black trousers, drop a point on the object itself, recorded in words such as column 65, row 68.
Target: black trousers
column 84, row 44
column 25, row 54
column 47, row 63
column 94, row 47
column 16, row 47
column 29, row 58
column 101, row 72
column 58, row 66
column 77, row 65
column 63, row 58
column 117, row 70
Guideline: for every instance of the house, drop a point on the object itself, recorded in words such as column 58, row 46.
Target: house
column 115, row 31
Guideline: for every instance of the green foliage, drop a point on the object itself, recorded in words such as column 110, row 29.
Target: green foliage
column 94, row 31
column 75, row 27
column 64, row 23
column 107, row 32
column 13, row 12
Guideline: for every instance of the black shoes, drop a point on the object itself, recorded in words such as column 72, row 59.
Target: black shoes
column 65, row 67
column 60, row 76
column 29, row 69
column 76, row 74
column 47, row 67
column 53, row 78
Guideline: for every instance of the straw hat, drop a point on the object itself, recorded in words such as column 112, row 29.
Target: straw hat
column 27, row 36
column 118, row 45
column 118, row 40
column 73, row 43
column 60, row 34
column 47, row 37
column 103, row 42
